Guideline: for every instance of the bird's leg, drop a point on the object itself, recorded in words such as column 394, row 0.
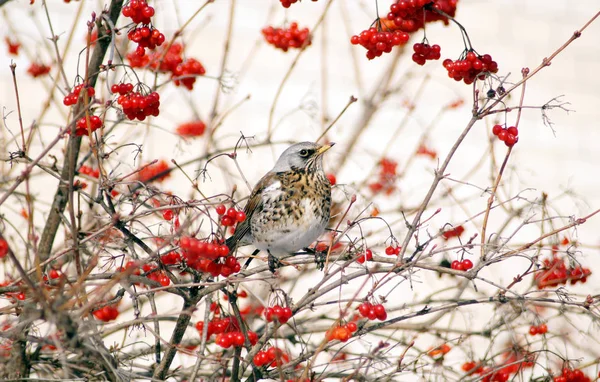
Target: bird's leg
column 252, row 256
column 274, row 262
column 320, row 257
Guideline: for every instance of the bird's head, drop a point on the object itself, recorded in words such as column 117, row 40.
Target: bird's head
column 304, row 156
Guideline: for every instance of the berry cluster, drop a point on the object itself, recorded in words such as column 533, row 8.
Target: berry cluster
column 188, row 69
column 167, row 62
column 38, row 70
column 122, row 88
column 572, row 375
column 3, row 248
column 342, row 332
column 272, row 356
column 372, row 312
column 153, row 273
column 424, row 52
column 454, row 232
column 284, row 39
column 287, row 3
column 227, row 332
column 556, row 272
column 367, row 255
column 540, row 329
column 191, row 129
column 138, row 106
column 82, row 125
column 146, row 37
column 13, row 46
column 86, row 170
column 231, row 216
column 158, row 171
column 393, row 251
column 439, row 351
column 378, row 42
column 278, row 313
column 106, row 313
column 205, row 257
column 139, row 11
column 509, row 136
column 387, row 177
column 464, row 265
column 472, row 365
column 171, row 258
column 411, row 15
column 73, row 96
column 471, row 67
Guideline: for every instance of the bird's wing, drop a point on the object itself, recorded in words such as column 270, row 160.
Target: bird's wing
column 253, row 205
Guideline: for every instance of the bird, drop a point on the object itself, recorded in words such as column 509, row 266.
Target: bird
column 289, row 208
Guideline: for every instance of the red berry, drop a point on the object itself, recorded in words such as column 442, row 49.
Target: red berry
column 513, row 130
column 240, row 216
column 496, row 129
column 467, row 264
column 221, row 209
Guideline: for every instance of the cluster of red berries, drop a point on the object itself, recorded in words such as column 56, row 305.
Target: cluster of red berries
column 194, row 248
column 272, row 356
column 471, row 67
column 3, row 248
column 154, row 172
column 122, row 88
column 171, row 258
column 146, row 37
column 424, row 52
column 572, row 375
column 285, row 38
column 539, row 329
column 191, row 129
column 367, row 255
column 38, row 70
column 189, row 69
column 106, row 313
column 556, row 272
column 378, row 42
column 227, row 332
column 393, row 251
column 167, row 62
column 231, row 216
column 172, row 62
column 87, row 170
column 509, row 136
column 372, row 312
column 71, row 98
column 464, row 265
column 153, row 273
column 439, row 351
column 206, row 257
column 411, row 15
column 139, row 11
column 82, row 125
column 287, row 3
column 13, row 46
column 386, row 178
column 454, row 232
column 342, row 332
column 138, row 106
column 278, row 313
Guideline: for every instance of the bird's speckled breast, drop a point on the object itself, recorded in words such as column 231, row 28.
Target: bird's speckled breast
column 295, row 212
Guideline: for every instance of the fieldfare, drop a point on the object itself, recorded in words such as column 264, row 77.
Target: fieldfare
column 289, row 207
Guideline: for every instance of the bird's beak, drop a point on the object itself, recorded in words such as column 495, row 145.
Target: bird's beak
column 321, row 150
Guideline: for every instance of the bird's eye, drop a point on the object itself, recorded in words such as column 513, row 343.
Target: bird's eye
column 303, row 153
